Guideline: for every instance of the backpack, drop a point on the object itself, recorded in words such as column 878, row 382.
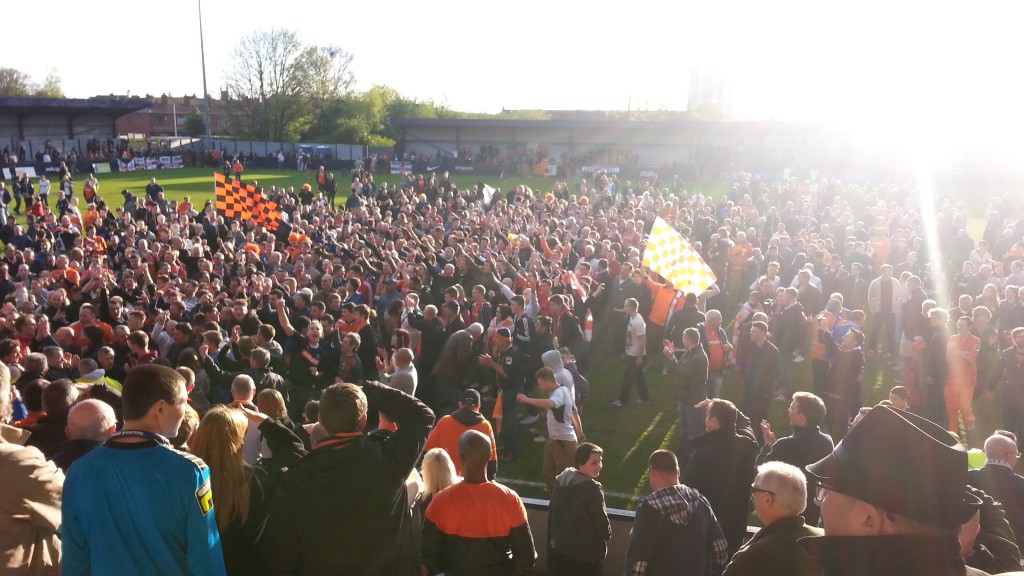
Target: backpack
column 6, row 198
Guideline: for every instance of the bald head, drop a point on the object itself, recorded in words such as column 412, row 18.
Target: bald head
column 91, row 420
column 403, row 357
column 474, row 450
column 999, row 447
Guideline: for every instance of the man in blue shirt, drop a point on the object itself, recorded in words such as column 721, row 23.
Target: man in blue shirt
column 135, row 505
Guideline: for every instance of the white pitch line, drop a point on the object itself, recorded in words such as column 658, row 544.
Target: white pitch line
column 534, row 484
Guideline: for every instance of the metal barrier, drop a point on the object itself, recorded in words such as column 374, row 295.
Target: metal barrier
column 622, row 524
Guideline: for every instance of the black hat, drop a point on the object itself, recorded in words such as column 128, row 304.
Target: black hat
column 903, row 464
column 470, row 397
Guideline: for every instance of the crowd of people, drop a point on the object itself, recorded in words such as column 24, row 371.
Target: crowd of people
column 187, row 394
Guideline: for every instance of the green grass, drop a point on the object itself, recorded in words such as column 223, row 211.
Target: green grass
column 197, row 183
column 627, row 435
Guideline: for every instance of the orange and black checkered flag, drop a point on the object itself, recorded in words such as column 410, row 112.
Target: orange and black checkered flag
column 230, row 201
column 266, row 213
column 233, row 200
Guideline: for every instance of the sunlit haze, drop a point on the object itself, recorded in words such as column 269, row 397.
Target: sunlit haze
column 888, row 71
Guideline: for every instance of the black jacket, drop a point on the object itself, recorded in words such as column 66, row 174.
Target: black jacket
column 774, row 551
column 72, row 450
column 905, row 555
column 691, row 376
column 48, row 433
column 790, row 331
column 431, row 341
column 722, row 469
column 241, row 541
column 806, row 446
column 476, row 530
column 1007, row 488
column 995, row 550
column 680, row 320
column 264, row 378
column 1008, row 377
column 343, row 509
column 578, row 524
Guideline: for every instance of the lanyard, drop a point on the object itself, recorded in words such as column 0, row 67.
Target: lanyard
column 141, row 434
column 340, row 440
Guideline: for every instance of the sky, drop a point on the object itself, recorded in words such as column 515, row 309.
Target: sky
column 882, row 69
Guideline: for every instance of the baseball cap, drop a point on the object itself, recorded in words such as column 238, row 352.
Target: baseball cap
column 470, row 397
column 504, row 333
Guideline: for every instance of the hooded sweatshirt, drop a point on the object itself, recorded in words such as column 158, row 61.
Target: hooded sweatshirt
column 675, row 532
column 449, row 429
column 553, row 359
column 98, row 376
column 578, row 522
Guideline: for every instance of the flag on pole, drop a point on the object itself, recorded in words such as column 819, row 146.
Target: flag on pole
column 244, row 202
column 486, row 192
column 230, row 201
column 573, row 282
column 670, row 255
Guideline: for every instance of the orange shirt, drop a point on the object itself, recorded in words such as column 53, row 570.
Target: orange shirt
column 818, row 350
column 716, row 351
column 446, row 435
column 963, row 372
column 662, row 301
column 82, row 342
column 476, row 511
column 89, row 219
column 70, row 274
column 738, row 256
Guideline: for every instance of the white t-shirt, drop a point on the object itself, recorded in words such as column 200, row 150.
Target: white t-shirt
column 564, row 404
column 635, row 328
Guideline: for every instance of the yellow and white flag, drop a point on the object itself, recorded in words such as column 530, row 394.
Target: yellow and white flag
column 670, row 255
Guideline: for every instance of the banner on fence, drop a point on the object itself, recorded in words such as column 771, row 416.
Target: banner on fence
column 592, row 169
column 401, row 167
column 16, row 172
column 151, row 163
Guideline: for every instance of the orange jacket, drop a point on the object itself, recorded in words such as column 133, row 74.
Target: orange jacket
column 446, row 434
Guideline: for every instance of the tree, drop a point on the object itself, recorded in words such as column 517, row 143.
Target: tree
column 51, row 87
column 280, row 84
column 15, row 83
column 196, row 125
column 709, row 112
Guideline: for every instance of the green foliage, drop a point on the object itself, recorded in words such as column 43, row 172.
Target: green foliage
column 196, row 125
column 709, row 111
column 14, row 82
column 279, row 85
column 51, row 87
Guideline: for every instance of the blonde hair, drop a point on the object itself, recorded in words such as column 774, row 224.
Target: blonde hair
column 219, row 443
column 438, row 472
column 271, row 403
